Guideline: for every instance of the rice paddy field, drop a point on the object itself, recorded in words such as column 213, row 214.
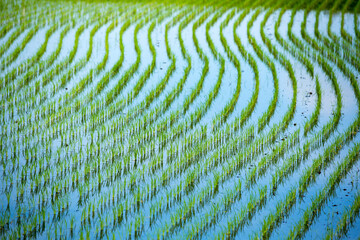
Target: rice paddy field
column 180, row 119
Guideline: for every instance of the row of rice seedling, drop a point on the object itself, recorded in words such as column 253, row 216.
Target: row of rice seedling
column 80, row 65
column 16, row 71
column 128, row 174
column 59, row 68
column 200, row 111
column 114, row 109
column 25, row 66
column 50, row 107
column 292, row 109
column 238, row 221
column 126, row 77
column 315, row 114
column 348, row 50
column 327, row 69
column 189, row 99
column 227, row 110
column 354, row 89
column 254, row 97
column 264, row 119
column 329, row 44
column 161, row 86
column 274, row 219
column 231, row 168
column 346, row 221
column 135, row 91
column 301, row 227
column 230, row 106
column 15, row 53
column 136, row 111
column 38, row 68
column 346, row 36
column 314, row 117
column 249, row 57
column 16, row 33
column 356, row 27
column 338, row 61
column 337, row 143
column 114, row 68
column 287, row 65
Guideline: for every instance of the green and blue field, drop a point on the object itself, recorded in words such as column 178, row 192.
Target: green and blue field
column 180, row 119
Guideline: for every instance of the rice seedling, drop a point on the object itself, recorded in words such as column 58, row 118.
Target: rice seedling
column 90, row 147
column 315, row 207
column 346, row 221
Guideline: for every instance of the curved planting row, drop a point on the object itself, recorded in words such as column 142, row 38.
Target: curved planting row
column 179, row 120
